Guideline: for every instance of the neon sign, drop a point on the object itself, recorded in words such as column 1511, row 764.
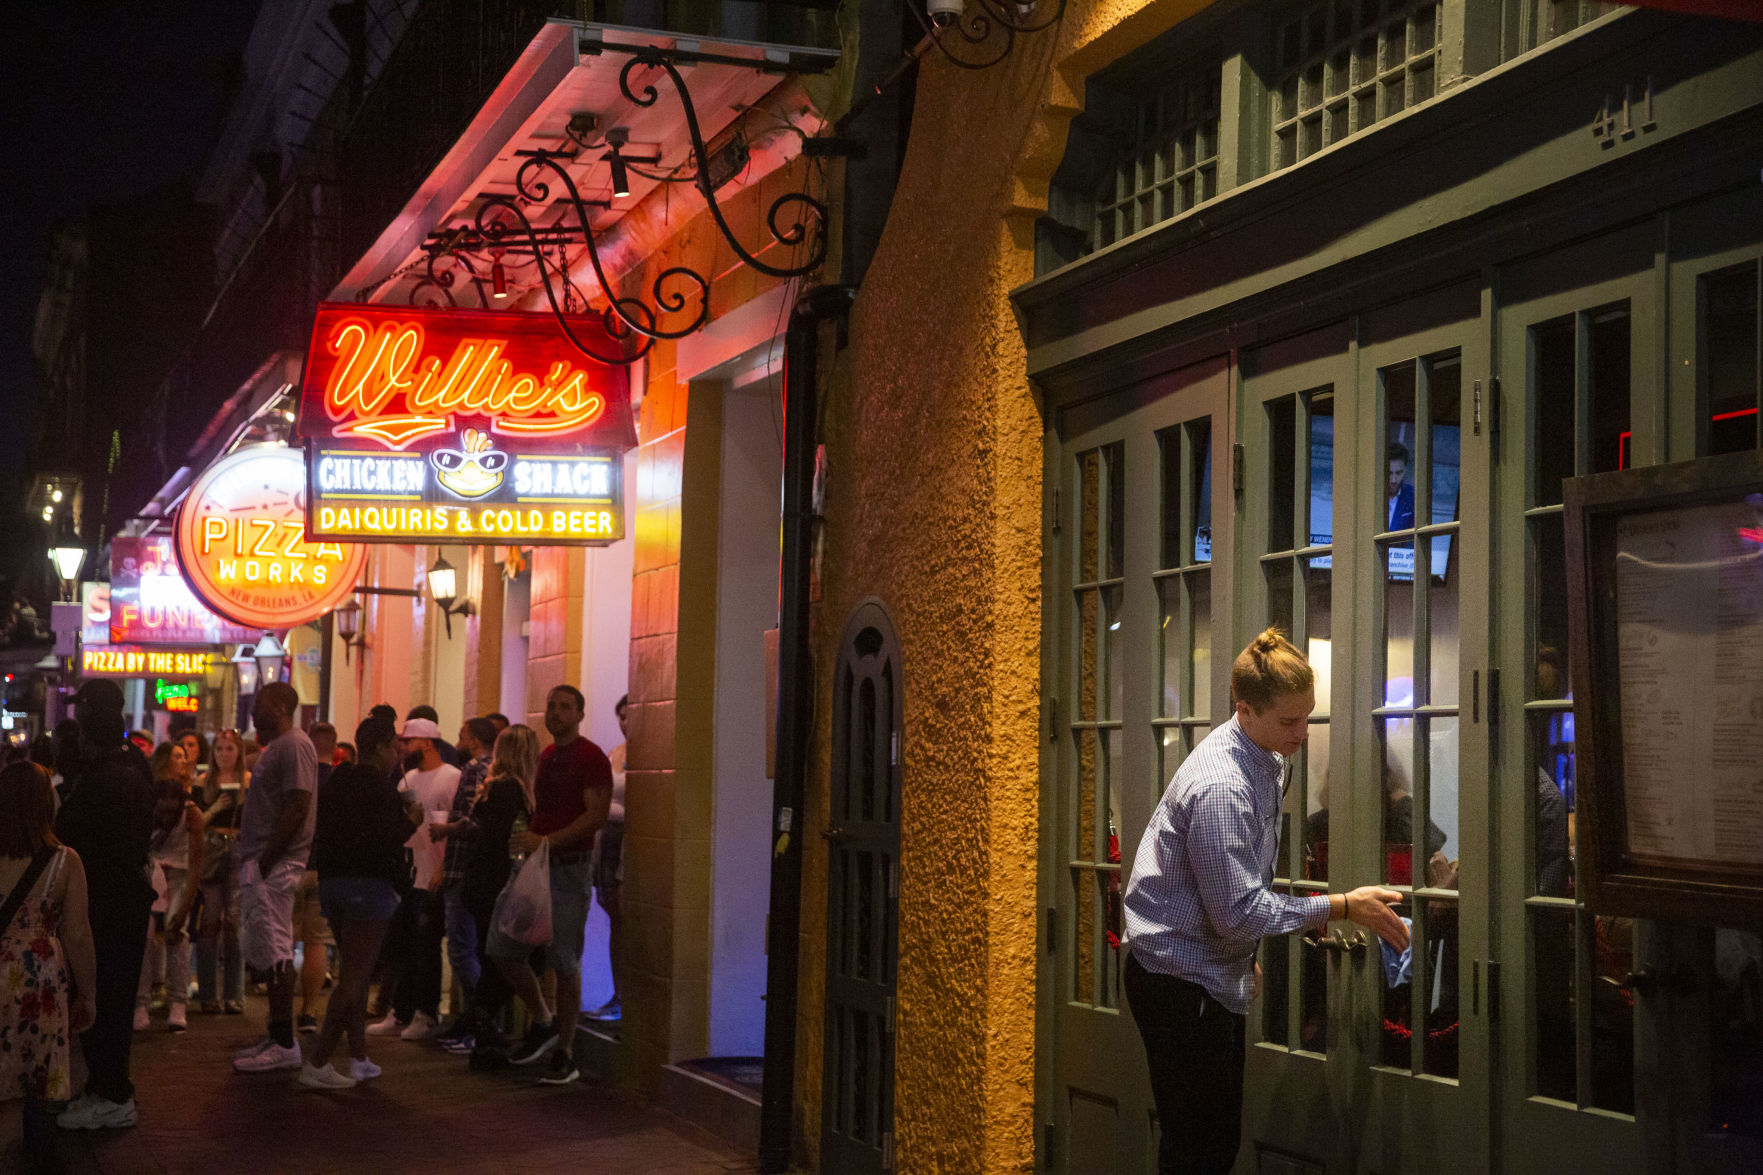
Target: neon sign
column 136, row 661
column 460, row 426
column 150, row 603
column 394, row 375
column 243, row 546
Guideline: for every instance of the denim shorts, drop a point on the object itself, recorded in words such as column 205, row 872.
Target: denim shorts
column 366, row 899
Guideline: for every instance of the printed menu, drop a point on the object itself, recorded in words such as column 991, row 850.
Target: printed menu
column 1689, row 619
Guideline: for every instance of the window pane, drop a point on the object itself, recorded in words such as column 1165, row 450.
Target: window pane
column 1200, row 593
column 1089, row 513
column 1612, row 1015
column 1729, row 339
column 1279, row 594
column 1083, row 840
column 1116, row 467
column 1313, row 1032
column 1398, row 800
column 1552, row 360
column 1443, row 1026
column 1316, row 799
column 1398, row 626
column 1400, row 446
column 1321, row 468
column 1114, row 648
column 1443, row 848
column 1169, row 449
column 1089, row 676
column 1276, row 976
column 1174, row 646
column 1444, row 391
column 1113, row 782
column 1169, row 756
column 1736, row 1024
column 1200, row 470
column 1441, row 602
column 1551, row 667
column 1083, row 959
column 1551, row 737
column 1611, row 436
column 1318, row 626
column 1282, row 418
column 1552, row 971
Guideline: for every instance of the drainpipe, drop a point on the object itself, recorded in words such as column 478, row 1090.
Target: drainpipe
column 795, row 700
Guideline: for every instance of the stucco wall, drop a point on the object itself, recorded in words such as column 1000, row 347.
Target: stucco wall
column 934, row 441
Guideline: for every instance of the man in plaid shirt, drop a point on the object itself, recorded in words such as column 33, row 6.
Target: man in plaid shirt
column 476, row 740
column 1199, row 902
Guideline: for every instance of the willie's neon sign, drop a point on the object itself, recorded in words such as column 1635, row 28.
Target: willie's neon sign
column 396, row 375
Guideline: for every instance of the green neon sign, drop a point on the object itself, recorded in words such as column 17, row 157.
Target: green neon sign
column 163, row 689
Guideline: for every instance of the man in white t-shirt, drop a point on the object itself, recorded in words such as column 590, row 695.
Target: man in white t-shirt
column 416, row 932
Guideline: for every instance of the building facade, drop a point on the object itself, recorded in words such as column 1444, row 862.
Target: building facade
column 1190, row 319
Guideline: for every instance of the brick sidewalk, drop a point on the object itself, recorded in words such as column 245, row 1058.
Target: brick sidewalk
column 425, row 1114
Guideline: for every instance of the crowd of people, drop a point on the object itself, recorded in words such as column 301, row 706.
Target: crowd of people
column 122, row 860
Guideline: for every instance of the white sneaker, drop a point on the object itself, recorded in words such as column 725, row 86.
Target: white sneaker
column 142, row 1020
column 312, row 1077
column 252, row 1049
column 362, row 1069
column 422, row 1027
column 390, row 1026
column 273, row 1057
column 89, row 1112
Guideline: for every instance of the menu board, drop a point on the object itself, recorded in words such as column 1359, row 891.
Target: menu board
column 1689, row 643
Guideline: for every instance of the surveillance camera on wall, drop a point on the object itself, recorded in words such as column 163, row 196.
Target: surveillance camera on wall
column 943, row 13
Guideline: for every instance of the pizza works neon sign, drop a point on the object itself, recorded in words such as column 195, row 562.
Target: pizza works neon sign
column 243, row 547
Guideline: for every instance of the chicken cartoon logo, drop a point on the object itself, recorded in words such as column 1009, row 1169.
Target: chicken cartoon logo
column 472, row 470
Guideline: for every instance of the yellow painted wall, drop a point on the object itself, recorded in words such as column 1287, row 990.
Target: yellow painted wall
column 934, row 441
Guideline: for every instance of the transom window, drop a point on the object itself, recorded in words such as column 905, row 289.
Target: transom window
column 1343, row 65
column 1170, row 161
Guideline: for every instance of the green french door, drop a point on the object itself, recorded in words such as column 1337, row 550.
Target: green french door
column 1368, row 544
column 1579, row 395
column 1139, row 492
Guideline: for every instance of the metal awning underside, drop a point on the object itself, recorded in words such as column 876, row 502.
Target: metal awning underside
column 571, row 70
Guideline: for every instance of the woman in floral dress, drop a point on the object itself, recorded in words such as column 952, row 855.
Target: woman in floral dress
column 48, row 974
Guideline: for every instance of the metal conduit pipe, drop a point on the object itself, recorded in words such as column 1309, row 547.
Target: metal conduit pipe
column 795, row 700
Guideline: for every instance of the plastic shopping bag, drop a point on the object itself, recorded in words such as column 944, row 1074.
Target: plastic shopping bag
column 523, row 909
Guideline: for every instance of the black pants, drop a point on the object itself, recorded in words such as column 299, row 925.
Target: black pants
column 418, row 927
column 119, row 940
column 1195, row 1048
column 493, row 993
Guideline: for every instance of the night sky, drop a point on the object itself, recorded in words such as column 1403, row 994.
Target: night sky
column 104, row 100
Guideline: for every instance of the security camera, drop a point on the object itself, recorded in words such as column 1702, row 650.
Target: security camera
column 943, row 13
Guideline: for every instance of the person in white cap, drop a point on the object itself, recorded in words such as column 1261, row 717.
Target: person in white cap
column 418, row 927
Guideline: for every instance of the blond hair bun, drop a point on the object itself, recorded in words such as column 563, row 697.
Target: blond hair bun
column 1270, row 666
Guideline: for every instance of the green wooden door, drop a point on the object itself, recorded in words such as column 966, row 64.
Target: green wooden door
column 1139, row 559
column 1375, row 564
column 1578, row 366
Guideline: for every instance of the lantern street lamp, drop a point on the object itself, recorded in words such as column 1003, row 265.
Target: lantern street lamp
column 270, row 656
column 444, row 590
column 348, row 623
column 245, row 666
column 68, row 556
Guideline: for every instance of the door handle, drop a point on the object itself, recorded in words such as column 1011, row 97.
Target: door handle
column 1338, row 943
column 834, row 835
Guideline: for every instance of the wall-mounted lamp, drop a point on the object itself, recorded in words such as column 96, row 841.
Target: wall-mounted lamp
column 498, row 279
column 444, row 590
column 270, row 656
column 348, row 623
column 245, row 667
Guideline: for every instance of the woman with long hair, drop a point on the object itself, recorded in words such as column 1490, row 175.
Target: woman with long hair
column 174, row 865
column 221, row 796
column 507, row 794
column 358, row 852
column 48, row 970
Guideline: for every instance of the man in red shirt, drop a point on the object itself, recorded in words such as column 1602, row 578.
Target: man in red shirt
column 572, row 795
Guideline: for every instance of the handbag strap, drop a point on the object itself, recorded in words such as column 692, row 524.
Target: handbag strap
column 22, row 890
